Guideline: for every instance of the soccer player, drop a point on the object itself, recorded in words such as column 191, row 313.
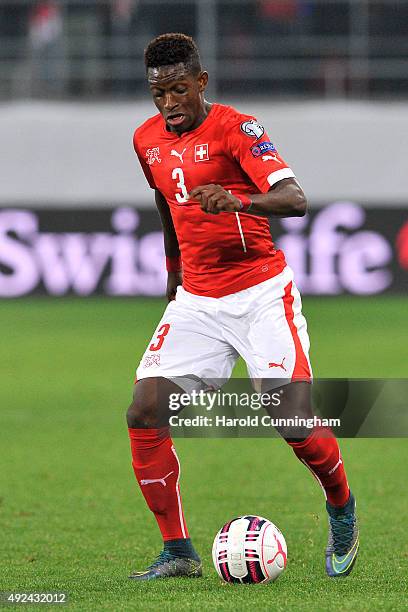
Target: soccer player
column 217, row 177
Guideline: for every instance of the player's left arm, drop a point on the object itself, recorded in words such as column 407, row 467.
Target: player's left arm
column 278, row 191
column 284, row 199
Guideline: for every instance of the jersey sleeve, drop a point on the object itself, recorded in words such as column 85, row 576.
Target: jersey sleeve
column 252, row 148
column 146, row 169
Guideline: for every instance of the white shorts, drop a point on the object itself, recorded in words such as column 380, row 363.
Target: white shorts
column 199, row 339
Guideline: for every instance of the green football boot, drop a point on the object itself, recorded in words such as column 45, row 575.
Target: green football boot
column 343, row 543
column 169, row 566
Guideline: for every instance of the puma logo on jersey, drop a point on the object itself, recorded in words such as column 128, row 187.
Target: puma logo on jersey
column 272, row 157
column 278, row 365
column 153, row 480
column 179, row 155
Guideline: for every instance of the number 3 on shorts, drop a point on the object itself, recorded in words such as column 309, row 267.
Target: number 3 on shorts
column 160, row 336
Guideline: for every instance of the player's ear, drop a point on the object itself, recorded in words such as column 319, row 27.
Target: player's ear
column 202, row 80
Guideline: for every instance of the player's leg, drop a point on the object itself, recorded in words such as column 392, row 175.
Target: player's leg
column 157, row 470
column 186, row 348
column 317, row 448
column 320, row 452
column 277, row 345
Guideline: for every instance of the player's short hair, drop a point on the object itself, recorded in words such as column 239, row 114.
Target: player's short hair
column 173, row 48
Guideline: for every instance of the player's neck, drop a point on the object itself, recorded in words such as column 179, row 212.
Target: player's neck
column 202, row 116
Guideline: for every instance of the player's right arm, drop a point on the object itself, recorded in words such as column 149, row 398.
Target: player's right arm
column 171, row 246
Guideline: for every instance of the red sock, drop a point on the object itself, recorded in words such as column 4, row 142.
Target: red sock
column 320, row 452
column 157, row 470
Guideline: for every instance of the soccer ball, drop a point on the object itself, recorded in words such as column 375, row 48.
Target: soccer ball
column 249, row 549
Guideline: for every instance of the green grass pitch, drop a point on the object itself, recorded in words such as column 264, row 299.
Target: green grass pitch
column 72, row 518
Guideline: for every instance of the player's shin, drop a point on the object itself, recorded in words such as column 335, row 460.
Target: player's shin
column 157, row 470
column 320, row 452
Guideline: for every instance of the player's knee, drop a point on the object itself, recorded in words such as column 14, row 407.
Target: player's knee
column 143, row 411
column 141, row 414
column 294, row 412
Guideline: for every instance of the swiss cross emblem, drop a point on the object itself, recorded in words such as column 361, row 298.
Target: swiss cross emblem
column 201, row 153
column 153, row 155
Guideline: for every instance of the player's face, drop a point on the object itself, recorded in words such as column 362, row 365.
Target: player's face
column 179, row 96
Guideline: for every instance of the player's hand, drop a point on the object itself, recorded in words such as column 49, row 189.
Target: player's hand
column 214, row 199
column 174, row 279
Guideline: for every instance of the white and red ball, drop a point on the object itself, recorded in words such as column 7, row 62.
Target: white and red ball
column 249, row 549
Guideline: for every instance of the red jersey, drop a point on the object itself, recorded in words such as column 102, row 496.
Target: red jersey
column 231, row 251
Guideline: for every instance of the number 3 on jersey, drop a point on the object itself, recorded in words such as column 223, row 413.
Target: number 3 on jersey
column 178, row 175
column 160, row 336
